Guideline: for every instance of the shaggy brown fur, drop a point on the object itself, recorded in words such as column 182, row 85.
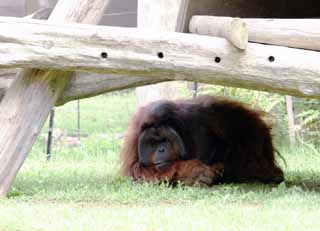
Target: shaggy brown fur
column 204, row 140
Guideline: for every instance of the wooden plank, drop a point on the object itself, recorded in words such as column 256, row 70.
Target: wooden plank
column 27, row 103
column 164, row 15
column 298, row 33
column 129, row 51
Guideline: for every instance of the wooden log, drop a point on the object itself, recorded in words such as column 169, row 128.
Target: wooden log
column 175, row 56
column 298, row 33
column 28, row 101
column 83, row 85
column 8, row 75
column 6, row 78
column 172, row 15
column 161, row 15
column 233, row 29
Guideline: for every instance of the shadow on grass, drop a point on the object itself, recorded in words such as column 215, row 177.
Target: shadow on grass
column 308, row 181
column 84, row 186
column 308, row 185
column 66, row 184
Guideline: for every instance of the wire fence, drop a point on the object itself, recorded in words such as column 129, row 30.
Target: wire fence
column 106, row 117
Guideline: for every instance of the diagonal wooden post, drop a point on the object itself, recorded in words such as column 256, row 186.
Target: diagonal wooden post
column 28, row 101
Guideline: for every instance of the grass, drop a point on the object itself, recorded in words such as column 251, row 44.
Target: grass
column 79, row 189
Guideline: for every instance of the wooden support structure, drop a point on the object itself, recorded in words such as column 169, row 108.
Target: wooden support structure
column 298, row 33
column 233, row 29
column 135, row 57
column 84, row 85
column 81, row 85
column 27, row 103
column 133, row 52
column 160, row 15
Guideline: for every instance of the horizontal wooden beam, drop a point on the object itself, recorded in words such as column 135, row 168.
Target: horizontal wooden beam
column 84, row 85
column 235, row 30
column 298, row 33
column 156, row 55
column 81, row 85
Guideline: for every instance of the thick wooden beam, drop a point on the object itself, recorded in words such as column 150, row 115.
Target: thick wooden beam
column 28, row 101
column 160, row 15
column 6, row 78
column 175, row 56
column 298, row 33
column 83, row 85
column 233, row 29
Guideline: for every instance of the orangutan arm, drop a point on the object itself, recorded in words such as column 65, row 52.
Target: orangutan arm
column 189, row 172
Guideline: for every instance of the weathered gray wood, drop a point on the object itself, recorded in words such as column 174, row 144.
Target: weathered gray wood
column 8, row 75
column 299, row 33
column 28, row 101
column 6, row 78
column 233, row 29
column 135, row 52
column 160, row 15
column 83, row 85
column 255, row 9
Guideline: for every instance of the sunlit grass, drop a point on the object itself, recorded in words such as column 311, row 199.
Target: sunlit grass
column 80, row 189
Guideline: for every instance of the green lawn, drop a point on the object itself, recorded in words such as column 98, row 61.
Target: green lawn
column 79, row 189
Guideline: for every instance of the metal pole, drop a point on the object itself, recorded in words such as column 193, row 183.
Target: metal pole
column 78, row 119
column 195, row 89
column 49, row 143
